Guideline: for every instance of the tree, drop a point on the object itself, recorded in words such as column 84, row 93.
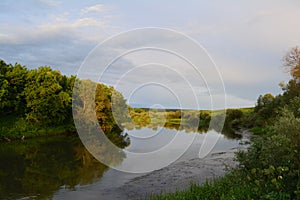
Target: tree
column 12, row 83
column 265, row 100
column 271, row 163
column 47, row 101
column 292, row 62
column 92, row 106
column 111, row 108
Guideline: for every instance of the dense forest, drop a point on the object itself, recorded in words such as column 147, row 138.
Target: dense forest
column 39, row 102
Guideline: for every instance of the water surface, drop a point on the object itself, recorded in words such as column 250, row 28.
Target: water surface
column 61, row 168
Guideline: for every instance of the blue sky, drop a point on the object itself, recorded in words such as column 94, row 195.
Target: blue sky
column 246, row 39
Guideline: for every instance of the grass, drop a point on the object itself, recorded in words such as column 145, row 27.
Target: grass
column 13, row 127
column 216, row 112
column 227, row 187
column 259, row 130
column 234, row 185
column 246, row 110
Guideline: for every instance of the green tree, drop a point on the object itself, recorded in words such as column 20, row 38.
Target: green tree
column 47, row 101
column 12, row 83
column 292, row 65
column 93, row 107
column 272, row 164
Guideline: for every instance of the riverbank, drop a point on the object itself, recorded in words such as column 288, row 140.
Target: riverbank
column 181, row 174
column 16, row 128
column 44, row 134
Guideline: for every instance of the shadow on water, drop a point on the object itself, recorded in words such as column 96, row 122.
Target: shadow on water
column 39, row 167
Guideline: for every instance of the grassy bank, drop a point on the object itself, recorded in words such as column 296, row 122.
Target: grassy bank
column 227, row 187
column 15, row 128
column 270, row 169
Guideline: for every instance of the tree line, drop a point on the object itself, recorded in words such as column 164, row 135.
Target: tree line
column 42, row 98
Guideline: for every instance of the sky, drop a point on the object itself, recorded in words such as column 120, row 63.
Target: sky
column 244, row 40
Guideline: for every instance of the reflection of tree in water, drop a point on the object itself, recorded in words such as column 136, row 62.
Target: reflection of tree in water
column 154, row 118
column 92, row 109
column 190, row 121
column 104, row 147
column 39, row 167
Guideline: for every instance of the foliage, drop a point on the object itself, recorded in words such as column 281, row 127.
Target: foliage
column 47, row 95
column 228, row 121
column 292, row 62
column 39, row 102
column 39, row 167
column 272, row 162
column 204, row 121
column 229, row 187
column 270, row 168
column 12, row 84
column 268, row 106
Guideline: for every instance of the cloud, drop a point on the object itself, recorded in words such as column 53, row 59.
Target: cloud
column 246, row 40
column 60, row 40
column 50, row 3
column 248, row 43
column 85, row 28
column 28, row 28
column 94, row 9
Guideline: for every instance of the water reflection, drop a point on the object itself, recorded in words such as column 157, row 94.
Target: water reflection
column 109, row 185
column 39, row 167
column 147, row 140
column 183, row 125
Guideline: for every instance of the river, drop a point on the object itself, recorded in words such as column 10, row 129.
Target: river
column 60, row 167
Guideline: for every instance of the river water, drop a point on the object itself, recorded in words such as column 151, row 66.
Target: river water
column 60, row 167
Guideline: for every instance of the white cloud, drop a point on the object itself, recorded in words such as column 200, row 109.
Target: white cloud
column 95, row 9
column 51, row 3
column 72, row 25
column 90, row 29
column 248, row 43
column 247, row 40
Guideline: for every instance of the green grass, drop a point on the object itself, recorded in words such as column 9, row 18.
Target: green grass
column 13, row 127
column 258, row 130
column 247, row 110
column 228, row 187
column 244, row 110
column 234, row 185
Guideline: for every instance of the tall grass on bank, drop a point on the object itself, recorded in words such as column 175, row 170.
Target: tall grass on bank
column 269, row 169
column 13, row 127
column 228, row 187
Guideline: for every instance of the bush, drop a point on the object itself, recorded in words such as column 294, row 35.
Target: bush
column 272, row 162
column 268, row 170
